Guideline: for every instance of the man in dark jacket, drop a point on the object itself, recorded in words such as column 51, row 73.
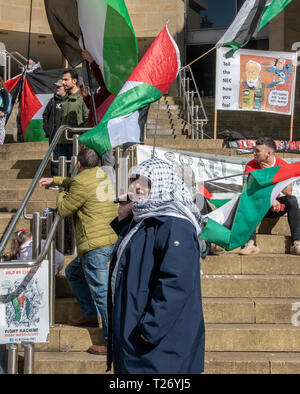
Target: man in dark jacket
column 52, row 119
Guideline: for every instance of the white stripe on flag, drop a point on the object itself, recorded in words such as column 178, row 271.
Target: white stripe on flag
column 92, row 19
column 129, row 85
column 43, row 99
column 221, row 215
column 124, row 129
column 279, row 187
column 238, row 22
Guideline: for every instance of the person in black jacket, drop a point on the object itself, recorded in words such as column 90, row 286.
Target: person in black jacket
column 52, row 119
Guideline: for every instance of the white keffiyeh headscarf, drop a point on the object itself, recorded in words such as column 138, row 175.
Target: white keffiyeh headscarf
column 168, row 196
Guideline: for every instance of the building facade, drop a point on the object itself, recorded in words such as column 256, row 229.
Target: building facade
column 195, row 24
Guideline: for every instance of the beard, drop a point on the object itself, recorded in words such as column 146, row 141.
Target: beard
column 252, row 82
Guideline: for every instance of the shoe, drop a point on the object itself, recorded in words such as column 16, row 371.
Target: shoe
column 249, row 248
column 97, row 349
column 84, row 322
column 295, row 248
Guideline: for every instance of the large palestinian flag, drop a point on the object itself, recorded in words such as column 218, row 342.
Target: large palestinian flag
column 36, row 89
column 107, row 34
column 252, row 17
column 232, row 225
column 148, row 82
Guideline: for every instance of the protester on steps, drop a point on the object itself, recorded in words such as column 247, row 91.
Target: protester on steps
column 103, row 99
column 5, row 108
column 21, row 249
column 89, row 198
column 52, row 119
column 74, row 112
column 264, row 157
column 154, row 298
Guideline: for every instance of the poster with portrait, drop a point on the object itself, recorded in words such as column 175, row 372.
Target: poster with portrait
column 24, row 304
column 256, row 81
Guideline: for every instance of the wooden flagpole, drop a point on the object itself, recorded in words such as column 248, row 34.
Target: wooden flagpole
column 291, row 127
column 200, row 57
column 215, row 124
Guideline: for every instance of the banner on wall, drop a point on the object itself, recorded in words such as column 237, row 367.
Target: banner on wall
column 24, row 304
column 197, row 169
column 256, row 81
column 248, row 145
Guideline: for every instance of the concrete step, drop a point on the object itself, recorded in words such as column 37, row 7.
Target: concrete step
column 262, row 264
column 216, row 310
column 245, row 286
column 66, row 338
column 66, row 363
column 25, row 147
column 219, row 337
column 252, row 338
column 23, row 173
column 252, row 363
column 215, row 363
column 250, row 310
column 32, row 206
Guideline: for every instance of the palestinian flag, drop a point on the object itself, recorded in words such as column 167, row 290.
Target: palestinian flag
column 103, row 28
column 252, row 17
column 14, row 87
column 36, row 89
column 148, row 82
column 232, row 225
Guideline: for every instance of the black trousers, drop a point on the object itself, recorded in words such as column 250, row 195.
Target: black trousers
column 293, row 213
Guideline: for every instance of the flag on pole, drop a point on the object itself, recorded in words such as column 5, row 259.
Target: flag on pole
column 232, row 225
column 148, row 82
column 107, row 34
column 252, row 17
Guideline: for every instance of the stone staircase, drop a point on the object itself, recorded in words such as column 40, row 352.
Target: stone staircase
column 247, row 300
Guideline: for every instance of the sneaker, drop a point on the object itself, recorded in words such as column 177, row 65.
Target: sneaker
column 295, row 248
column 249, row 248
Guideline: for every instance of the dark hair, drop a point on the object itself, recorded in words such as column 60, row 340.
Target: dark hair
column 268, row 141
column 73, row 73
column 18, row 238
column 88, row 158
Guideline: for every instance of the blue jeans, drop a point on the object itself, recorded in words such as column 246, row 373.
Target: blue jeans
column 88, row 278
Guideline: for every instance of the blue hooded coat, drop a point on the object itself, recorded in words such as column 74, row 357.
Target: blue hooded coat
column 157, row 294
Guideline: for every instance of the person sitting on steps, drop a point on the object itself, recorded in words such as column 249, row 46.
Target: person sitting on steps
column 264, row 157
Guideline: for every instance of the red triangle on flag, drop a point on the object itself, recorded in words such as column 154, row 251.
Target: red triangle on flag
column 30, row 105
column 160, row 64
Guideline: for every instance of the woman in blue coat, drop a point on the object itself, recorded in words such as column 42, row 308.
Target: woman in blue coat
column 154, row 300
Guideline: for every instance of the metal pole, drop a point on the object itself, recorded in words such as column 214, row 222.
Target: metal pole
column 60, row 236
column 51, row 260
column 36, row 235
column 12, row 364
column 28, row 357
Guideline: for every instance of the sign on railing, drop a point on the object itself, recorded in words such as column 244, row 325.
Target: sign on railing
column 24, row 304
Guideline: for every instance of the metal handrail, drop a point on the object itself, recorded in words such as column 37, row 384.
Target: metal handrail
column 188, row 101
column 36, row 178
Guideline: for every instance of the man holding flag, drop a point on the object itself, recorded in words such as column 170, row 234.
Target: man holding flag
column 285, row 203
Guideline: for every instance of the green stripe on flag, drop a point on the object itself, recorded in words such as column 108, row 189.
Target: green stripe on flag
column 124, row 104
column 119, row 46
column 35, row 132
column 272, row 10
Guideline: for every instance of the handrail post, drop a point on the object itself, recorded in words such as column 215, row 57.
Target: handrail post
column 12, row 363
column 28, row 357
column 36, row 235
column 51, row 260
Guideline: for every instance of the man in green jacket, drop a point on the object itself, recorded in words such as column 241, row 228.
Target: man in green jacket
column 89, row 198
column 74, row 112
